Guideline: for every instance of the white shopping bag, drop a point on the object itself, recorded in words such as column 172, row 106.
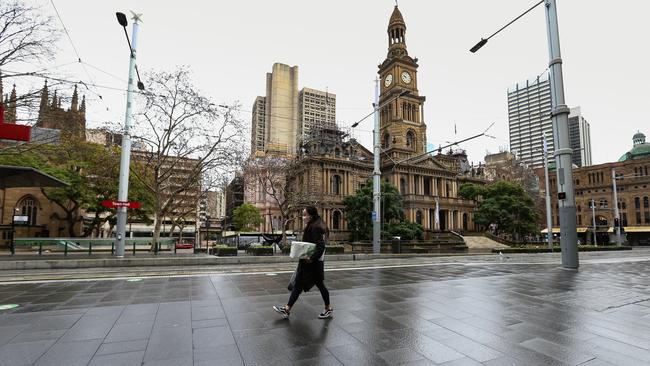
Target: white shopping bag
column 301, row 249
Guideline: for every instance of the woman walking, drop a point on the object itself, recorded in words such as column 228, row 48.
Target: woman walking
column 310, row 271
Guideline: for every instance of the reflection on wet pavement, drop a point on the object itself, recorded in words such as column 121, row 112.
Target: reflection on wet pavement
column 450, row 313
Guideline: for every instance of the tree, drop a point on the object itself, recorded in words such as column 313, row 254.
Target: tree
column 405, row 230
column 504, row 204
column 247, row 217
column 27, row 38
column 359, row 209
column 270, row 177
column 189, row 144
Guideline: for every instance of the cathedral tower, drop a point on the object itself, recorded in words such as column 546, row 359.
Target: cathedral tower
column 402, row 127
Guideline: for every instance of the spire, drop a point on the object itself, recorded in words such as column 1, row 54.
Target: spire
column 75, row 100
column 82, row 109
column 396, row 34
column 42, row 109
column 54, row 100
column 11, row 107
column 1, row 88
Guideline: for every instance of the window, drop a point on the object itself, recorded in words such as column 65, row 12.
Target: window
column 427, row 186
column 410, row 140
column 336, row 220
column 418, row 217
column 402, row 186
column 28, row 207
column 385, row 141
column 637, row 203
column 646, row 204
column 336, row 185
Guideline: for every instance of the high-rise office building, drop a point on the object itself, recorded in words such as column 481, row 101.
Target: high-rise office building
column 529, row 117
column 285, row 115
column 258, row 128
column 317, row 109
column 579, row 138
column 281, row 109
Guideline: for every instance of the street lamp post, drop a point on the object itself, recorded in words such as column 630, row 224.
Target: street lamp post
column 376, row 179
column 563, row 152
column 593, row 220
column 125, row 157
column 617, row 217
column 549, row 220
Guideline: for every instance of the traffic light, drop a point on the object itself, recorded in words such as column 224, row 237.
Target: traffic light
column 617, row 223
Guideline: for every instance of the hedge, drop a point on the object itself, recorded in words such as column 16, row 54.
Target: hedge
column 261, row 250
column 225, row 251
column 582, row 248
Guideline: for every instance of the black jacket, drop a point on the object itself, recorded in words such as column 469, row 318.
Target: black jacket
column 308, row 274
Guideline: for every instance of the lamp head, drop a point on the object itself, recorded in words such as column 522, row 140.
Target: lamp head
column 478, row 46
column 121, row 18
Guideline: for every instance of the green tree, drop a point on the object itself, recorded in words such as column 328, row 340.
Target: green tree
column 359, row 207
column 406, row 230
column 247, row 217
column 505, row 204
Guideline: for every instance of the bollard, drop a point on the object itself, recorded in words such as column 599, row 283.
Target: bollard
column 40, row 248
column 134, row 247
column 90, row 248
column 65, row 249
column 112, row 248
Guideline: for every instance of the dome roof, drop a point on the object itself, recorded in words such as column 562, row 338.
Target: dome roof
column 396, row 18
column 639, row 150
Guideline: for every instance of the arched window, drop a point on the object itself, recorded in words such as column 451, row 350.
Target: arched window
column 402, row 186
column 28, row 206
column 336, row 220
column 646, row 204
column 385, row 141
column 637, row 203
column 418, row 217
column 336, row 185
column 410, row 139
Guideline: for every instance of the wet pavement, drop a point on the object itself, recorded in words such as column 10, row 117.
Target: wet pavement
column 521, row 310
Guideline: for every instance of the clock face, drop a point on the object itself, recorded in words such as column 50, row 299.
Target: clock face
column 388, row 80
column 406, row 77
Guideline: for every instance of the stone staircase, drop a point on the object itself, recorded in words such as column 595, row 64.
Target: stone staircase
column 482, row 244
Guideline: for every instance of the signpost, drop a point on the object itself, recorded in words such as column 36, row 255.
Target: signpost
column 120, row 204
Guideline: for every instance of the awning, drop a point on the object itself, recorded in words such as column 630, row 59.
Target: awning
column 633, row 229
column 556, row 230
column 20, row 176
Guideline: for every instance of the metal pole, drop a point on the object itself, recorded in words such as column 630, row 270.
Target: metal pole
column 593, row 219
column 125, row 158
column 616, row 213
column 563, row 152
column 376, row 179
column 549, row 220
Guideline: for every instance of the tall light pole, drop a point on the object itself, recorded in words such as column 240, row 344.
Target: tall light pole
column 376, row 178
column 376, row 175
column 617, row 217
column 549, row 220
column 593, row 220
column 125, row 157
column 563, row 152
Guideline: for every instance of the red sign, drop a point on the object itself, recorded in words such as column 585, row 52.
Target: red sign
column 10, row 131
column 118, row 204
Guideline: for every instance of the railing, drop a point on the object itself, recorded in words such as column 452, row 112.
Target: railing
column 90, row 246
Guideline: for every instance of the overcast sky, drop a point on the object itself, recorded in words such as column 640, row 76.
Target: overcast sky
column 338, row 44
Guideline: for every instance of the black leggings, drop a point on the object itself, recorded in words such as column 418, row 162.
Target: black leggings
column 323, row 292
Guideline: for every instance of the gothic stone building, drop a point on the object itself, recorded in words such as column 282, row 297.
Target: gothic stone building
column 45, row 217
column 334, row 168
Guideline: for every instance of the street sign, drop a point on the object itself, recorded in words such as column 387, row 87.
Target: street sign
column 374, row 215
column 119, row 204
column 20, row 218
column 11, row 131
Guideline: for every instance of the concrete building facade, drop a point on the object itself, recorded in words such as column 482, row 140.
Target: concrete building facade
column 317, row 111
column 579, row 138
column 281, row 110
column 529, row 118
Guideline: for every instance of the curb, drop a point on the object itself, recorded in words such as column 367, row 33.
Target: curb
column 72, row 263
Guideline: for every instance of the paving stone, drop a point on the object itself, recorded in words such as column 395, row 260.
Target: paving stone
column 119, row 359
column 69, row 353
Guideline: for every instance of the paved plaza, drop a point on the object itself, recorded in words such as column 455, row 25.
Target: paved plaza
column 482, row 310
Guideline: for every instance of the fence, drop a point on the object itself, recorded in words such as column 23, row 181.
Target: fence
column 90, row 246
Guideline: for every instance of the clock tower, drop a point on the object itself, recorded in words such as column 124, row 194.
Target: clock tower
column 402, row 127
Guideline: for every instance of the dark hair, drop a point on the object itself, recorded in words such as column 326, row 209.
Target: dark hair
column 312, row 211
